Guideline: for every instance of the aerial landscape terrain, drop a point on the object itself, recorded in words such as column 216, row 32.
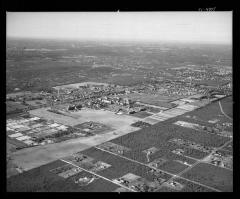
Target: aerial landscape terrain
column 109, row 116
column 119, row 102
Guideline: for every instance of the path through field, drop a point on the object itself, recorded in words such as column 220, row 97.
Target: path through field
column 223, row 111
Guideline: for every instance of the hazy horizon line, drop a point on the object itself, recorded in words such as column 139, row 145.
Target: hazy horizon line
column 118, row 40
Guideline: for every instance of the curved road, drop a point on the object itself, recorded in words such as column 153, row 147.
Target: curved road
column 223, row 111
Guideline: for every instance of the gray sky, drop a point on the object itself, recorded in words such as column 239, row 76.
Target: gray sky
column 212, row 27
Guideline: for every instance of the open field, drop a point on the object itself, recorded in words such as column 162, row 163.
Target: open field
column 150, row 120
column 78, row 84
column 157, row 100
column 213, row 176
column 11, row 170
column 85, row 115
column 13, row 107
column 41, row 179
column 116, row 163
column 174, row 162
column 36, row 103
column 161, row 152
column 173, row 167
column 16, row 143
column 227, row 106
column 157, row 135
column 36, row 156
column 32, row 157
column 34, row 178
column 10, row 147
column 93, row 127
column 194, row 119
column 135, row 159
column 213, row 111
column 141, row 114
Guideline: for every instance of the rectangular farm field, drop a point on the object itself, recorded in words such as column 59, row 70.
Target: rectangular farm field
column 120, row 166
column 227, row 105
column 151, row 120
column 203, row 138
column 180, row 158
column 170, row 162
column 147, row 154
column 141, row 114
column 153, row 109
column 154, row 135
column 37, row 179
column 137, row 155
column 192, row 187
column 161, row 152
column 195, row 120
column 174, row 163
column 17, row 143
column 213, row 176
column 187, row 186
column 211, row 111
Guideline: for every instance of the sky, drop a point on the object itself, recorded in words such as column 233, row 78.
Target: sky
column 208, row 27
